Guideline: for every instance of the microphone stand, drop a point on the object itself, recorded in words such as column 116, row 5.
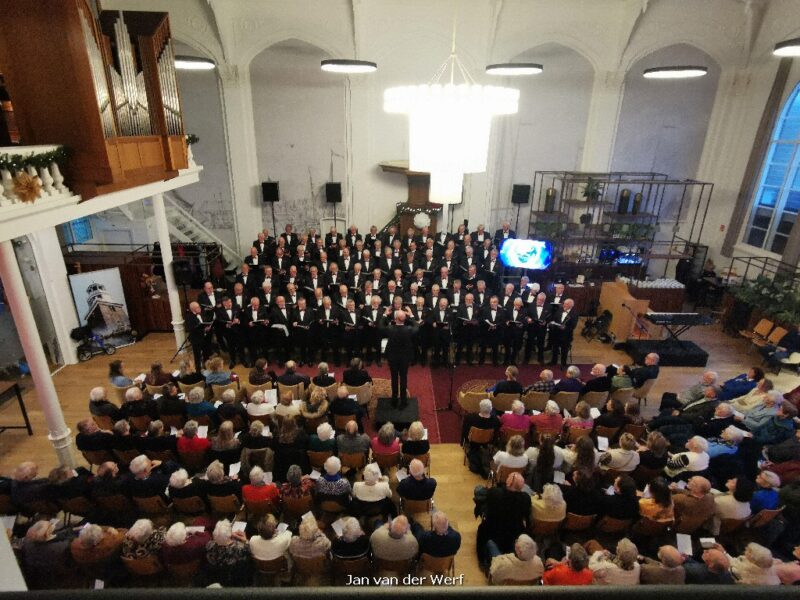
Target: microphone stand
column 639, row 324
column 449, row 406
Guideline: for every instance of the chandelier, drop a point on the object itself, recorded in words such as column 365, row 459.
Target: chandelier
column 449, row 125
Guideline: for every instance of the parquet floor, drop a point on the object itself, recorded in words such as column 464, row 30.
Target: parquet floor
column 728, row 356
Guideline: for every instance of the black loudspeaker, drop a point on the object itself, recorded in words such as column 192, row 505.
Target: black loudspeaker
column 520, row 194
column 333, row 192
column 182, row 271
column 270, row 191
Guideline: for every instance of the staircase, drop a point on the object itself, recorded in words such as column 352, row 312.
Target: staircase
column 183, row 227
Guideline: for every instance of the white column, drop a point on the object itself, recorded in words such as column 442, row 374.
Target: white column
column 55, row 282
column 59, row 433
column 162, row 227
column 237, row 108
column 601, row 126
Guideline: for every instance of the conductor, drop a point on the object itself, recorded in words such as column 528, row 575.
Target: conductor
column 399, row 352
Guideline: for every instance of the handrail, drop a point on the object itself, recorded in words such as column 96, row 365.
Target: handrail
column 173, row 203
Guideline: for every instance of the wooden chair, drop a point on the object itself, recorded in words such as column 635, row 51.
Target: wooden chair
column 470, row 401
column 386, row 461
column 507, row 434
column 444, row 565
column 643, row 476
column 225, row 505
column 595, row 399
column 340, row 421
column 576, row 433
column 502, row 402
column 249, row 388
column 116, row 504
column 356, row 567
column 297, row 390
column 119, row 392
column 97, row 457
column 791, row 361
column 689, row 524
column 354, row 461
column 193, row 505
column 218, row 390
column 607, row 432
column 760, row 331
column 331, row 506
column 202, row 420
column 104, row 422
column 184, row 574
column 611, row 525
column 477, row 436
column 265, row 419
column 176, row 421
column 623, row 395
column 637, row 431
column 6, row 505
column 312, row 424
column 261, row 508
column 763, row 517
column 396, row 567
column 730, row 526
column 185, row 388
column 142, row 567
column 425, row 459
column 535, row 400
column 152, row 390
column 297, row 507
column 140, row 423
column 124, row 457
column 540, row 529
column 503, row 472
column 193, row 461
column 772, row 339
column 79, row 505
column 575, row 522
column 416, row 507
column 311, row 568
column 317, row 459
column 566, row 400
column 271, row 569
column 641, row 392
column 152, row 506
column 648, row 527
column 363, row 393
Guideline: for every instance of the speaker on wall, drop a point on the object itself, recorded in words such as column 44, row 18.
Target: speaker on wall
column 182, row 271
column 333, row 192
column 270, row 191
column 520, row 194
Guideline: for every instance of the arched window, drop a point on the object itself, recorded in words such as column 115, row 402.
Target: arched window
column 777, row 199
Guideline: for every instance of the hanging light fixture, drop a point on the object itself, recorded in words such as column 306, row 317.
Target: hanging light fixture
column 680, row 72
column 787, row 48
column 347, row 65
column 449, row 126
column 193, row 63
column 514, row 69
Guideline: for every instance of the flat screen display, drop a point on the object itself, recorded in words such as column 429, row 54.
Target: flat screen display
column 526, row 254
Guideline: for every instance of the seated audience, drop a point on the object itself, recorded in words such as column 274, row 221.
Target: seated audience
column 741, row 384
column 345, row 406
column 215, row 373
column 414, row 444
column 695, row 501
column 182, row 547
column 268, row 543
column 507, row 514
column 258, row 405
column 600, row 381
column 231, row 410
column 754, row 567
column 625, row 458
column 621, row 568
column 623, row 504
column 157, row 376
column 712, row 569
column 583, row 417
column 766, row 495
column 116, row 375
column 227, row 556
column 633, row 414
column 291, row 447
column 550, row 420
column 549, row 505
column 323, row 440
column 197, row 406
column 417, row 486
column 259, row 490
column 543, row 461
column 713, row 428
column 292, row 377
column 649, row 371
column 621, row 379
column 394, row 541
column 513, row 456
column 143, row 540
column 509, row 385
column 571, row 382
column 613, row 417
column 149, row 478
column 96, row 545
column 183, row 486
column 522, row 565
column 727, row 443
column 170, row 403
column 91, row 438
column 573, row 570
column 442, row 540
column 583, row 496
column 297, row 485
column 188, row 375
column 219, row 484
column 735, row 504
column 44, row 554
column 658, row 506
column 386, row 441
column 355, row 376
column 287, row 409
column 137, row 406
column 259, row 374
column 789, row 571
column 331, row 485
column 653, row 455
column 351, row 441
column 190, row 442
column 694, row 460
column 753, row 398
column 777, row 428
column 315, row 406
column 100, row 406
column 373, row 495
column 762, row 412
column 323, row 379
column 353, row 542
column 667, row 570
column 484, row 419
column 516, row 419
column 158, row 440
column 310, row 541
column 65, row 483
column 545, row 383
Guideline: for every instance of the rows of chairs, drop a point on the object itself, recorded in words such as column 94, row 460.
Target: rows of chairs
column 767, row 333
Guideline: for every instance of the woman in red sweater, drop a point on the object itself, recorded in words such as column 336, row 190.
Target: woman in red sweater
column 571, row 571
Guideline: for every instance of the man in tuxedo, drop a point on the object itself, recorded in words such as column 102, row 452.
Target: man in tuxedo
column 199, row 335
column 292, row 278
column 409, row 265
column 559, row 296
column 254, row 259
column 372, row 319
column 468, row 318
column 367, row 262
column 515, row 330
column 356, row 278
column 280, row 264
column 467, row 259
column 263, row 244
column 493, row 322
column 328, row 320
column 440, row 322
column 456, row 295
column 399, row 351
column 503, row 234
column 371, row 238
column 334, row 279
column 352, row 236
column 419, row 314
column 448, row 262
column 239, row 296
column 389, row 237
column 209, row 301
column 538, row 318
column 346, row 262
column 428, row 264
column 292, row 296
column 351, row 330
column 561, row 330
column 444, row 281
column 279, row 326
column 266, row 295
column 493, row 271
column 470, row 280
column 249, row 281
column 389, row 293
column 302, row 324
column 509, row 295
column 332, row 241
column 228, row 326
column 441, row 239
column 256, row 323
column 290, row 237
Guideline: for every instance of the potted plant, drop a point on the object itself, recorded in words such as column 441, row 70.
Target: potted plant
column 593, row 190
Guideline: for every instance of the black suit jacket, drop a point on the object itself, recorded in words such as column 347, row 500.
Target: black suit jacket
column 533, row 313
column 598, row 384
column 499, row 239
column 306, row 322
column 400, row 344
column 568, row 325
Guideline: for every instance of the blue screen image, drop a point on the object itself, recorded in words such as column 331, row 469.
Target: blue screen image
column 526, row 254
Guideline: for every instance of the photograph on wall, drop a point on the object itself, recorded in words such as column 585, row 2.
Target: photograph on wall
column 100, row 302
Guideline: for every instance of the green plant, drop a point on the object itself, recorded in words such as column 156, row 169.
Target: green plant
column 778, row 300
column 19, row 162
column 592, row 190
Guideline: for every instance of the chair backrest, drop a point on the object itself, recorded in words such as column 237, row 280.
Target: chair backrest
column 97, row 457
column 78, row 505
column 118, row 504
column 764, row 516
column 363, row 393
column 566, row 400
column 535, row 400
column 176, row 421
column 776, row 335
column 643, row 475
column 729, row 526
column 152, row 390
column 399, row 567
column 193, row 461
column 386, row 461
column 507, row 434
column 595, row 399
column 271, row 567
column 690, row 523
column 545, row 528
column 249, row 388
column 295, row 507
column 330, row 505
column 140, row 422
column 185, row 388
column 502, row 402
column 296, row 390
column 606, row 432
column 575, row 522
column 120, row 392
column 193, row 505
column 162, row 455
column 218, row 390
column 763, row 327
column 416, row 507
column 204, row 420
column 224, row 505
column 317, row 459
column 651, row 528
column 340, row 421
column 425, row 459
column 104, row 422
column 6, row 505
column 151, row 505
column 611, row 525
column 470, row 401
column 641, row 392
column 352, row 566
column 576, row 433
column 185, row 571
column 319, row 565
column 353, row 460
column 147, row 565
column 477, row 435
column 265, row 419
column 260, row 508
column 623, row 394
column 637, row 431
column 437, row 565
column 124, row 457
column 314, row 422
column 504, row 471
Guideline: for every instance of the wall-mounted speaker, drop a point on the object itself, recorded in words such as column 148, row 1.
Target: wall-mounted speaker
column 520, row 194
column 333, row 192
column 270, row 191
column 182, row 271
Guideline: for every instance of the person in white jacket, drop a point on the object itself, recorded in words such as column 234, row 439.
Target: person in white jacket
column 522, row 565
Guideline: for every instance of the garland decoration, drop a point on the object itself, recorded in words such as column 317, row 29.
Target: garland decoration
column 41, row 160
column 27, row 188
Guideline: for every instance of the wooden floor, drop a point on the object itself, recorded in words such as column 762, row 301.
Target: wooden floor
column 729, row 356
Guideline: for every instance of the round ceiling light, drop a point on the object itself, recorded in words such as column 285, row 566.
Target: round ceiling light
column 193, row 63
column 514, row 69
column 346, row 65
column 787, row 48
column 674, row 72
